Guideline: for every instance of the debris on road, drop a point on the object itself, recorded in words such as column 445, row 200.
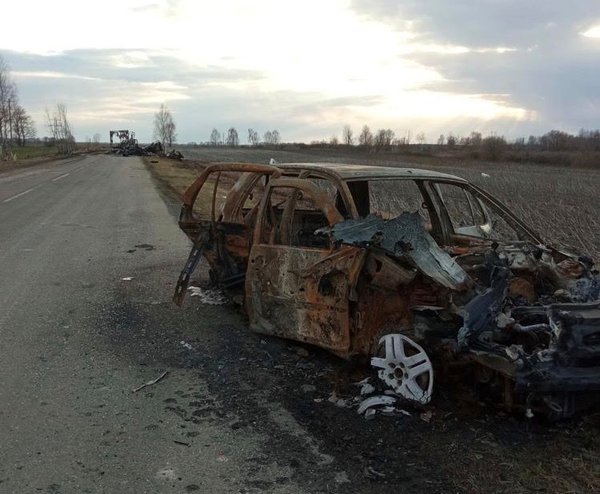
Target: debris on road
column 375, row 401
column 186, row 345
column 210, row 296
column 127, row 278
column 150, row 383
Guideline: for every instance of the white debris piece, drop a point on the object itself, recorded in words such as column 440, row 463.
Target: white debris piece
column 338, row 402
column 375, row 401
column 186, row 345
column 210, row 296
column 273, row 161
column 367, row 389
column 485, row 175
column 127, row 278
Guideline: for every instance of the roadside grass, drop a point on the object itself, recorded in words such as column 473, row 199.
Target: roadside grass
column 28, row 152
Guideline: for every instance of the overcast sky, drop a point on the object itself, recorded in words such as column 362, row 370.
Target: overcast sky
column 308, row 67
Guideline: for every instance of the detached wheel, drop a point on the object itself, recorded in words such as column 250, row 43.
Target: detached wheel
column 405, row 367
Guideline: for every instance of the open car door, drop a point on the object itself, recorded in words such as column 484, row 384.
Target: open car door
column 221, row 225
column 298, row 285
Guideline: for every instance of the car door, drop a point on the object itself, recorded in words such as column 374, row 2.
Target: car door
column 298, row 285
column 218, row 215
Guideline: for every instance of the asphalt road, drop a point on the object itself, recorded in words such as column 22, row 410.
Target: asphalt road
column 77, row 336
column 89, row 255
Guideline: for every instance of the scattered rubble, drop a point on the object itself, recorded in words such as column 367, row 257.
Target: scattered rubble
column 128, row 146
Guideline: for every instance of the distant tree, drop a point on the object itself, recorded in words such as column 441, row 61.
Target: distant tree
column 388, row 138
column 334, row 141
column 60, row 129
column 232, row 137
column 23, row 125
column 347, row 136
column 252, row 137
column 441, row 140
column 475, row 139
column 275, row 138
column 420, row 137
column 271, row 137
column 96, row 138
column 8, row 101
column 215, row 138
column 366, row 137
column 451, row 140
column 493, row 147
column 520, row 142
column 164, row 127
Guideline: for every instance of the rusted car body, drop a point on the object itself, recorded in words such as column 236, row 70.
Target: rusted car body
column 340, row 255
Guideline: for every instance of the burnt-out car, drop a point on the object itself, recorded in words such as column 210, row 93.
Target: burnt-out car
column 405, row 266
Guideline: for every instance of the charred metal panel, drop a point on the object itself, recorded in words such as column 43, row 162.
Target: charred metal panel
column 405, row 237
column 303, row 294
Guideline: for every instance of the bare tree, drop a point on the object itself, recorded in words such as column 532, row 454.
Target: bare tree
column 366, row 137
column 271, row 137
column 96, row 138
column 23, row 125
column 347, row 135
column 334, row 141
column 232, row 137
column 60, row 129
column 441, row 140
column 275, row 137
column 252, row 137
column 164, row 127
column 215, row 138
column 8, row 101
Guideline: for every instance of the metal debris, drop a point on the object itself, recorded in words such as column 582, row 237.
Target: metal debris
column 375, row 401
column 404, row 236
column 150, row 383
column 461, row 277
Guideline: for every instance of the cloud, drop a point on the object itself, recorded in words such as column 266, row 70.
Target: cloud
column 548, row 70
column 313, row 66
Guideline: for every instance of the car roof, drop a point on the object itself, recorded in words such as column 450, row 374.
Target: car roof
column 351, row 172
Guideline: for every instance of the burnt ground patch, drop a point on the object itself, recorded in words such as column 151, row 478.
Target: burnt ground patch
column 256, row 383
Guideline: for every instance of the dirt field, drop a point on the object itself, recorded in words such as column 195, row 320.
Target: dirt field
column 459, row 444
column 561, row 203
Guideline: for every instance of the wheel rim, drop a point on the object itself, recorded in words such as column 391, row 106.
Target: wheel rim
column 405, row 367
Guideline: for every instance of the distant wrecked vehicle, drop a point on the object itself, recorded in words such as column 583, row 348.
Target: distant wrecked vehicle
column 401, row 265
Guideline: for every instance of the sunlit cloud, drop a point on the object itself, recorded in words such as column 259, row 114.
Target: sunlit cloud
column 309, row 52
column 52, row 75
column 593, row 32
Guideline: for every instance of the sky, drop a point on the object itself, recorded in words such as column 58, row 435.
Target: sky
column 509, row 67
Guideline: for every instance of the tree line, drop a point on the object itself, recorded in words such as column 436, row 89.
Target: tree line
column 16, row 126
column 231, row 137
